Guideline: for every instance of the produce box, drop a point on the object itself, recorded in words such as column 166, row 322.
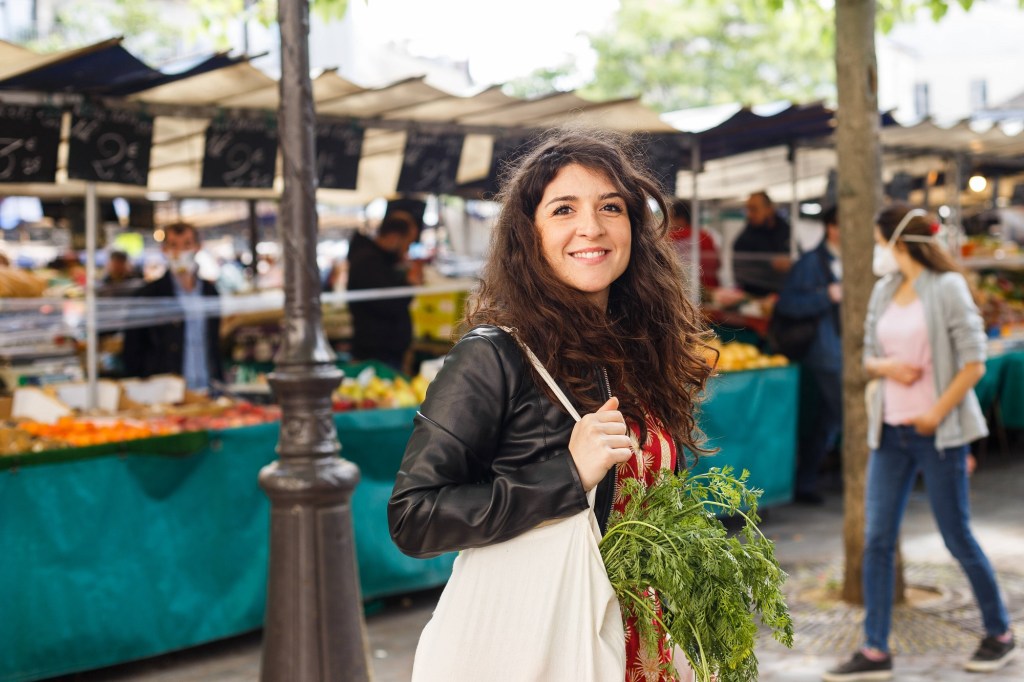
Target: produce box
column 437, row 316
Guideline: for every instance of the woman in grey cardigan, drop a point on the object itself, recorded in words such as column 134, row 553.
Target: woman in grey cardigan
column 925, row 343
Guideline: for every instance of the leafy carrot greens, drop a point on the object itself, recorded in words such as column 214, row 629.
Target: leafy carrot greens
column 670, row 548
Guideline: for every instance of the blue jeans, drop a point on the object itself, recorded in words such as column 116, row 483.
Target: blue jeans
column 892, row 469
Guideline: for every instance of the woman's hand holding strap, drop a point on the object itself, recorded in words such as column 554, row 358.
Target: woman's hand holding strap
column 599, row 441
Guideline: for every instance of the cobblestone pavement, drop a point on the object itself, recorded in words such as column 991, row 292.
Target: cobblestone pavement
column 931, row 638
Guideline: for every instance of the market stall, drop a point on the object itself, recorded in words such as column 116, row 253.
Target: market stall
column 133, row 549
column 1001, row 390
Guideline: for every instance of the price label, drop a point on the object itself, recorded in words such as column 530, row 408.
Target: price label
column 110, row 145
column 29, row 138
column 430, row 162
column 338, row 148
column 240, row 153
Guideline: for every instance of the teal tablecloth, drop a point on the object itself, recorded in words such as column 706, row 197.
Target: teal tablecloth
column 1004, row 382
column 115, row 558
column 752, row 417
column 124, row 556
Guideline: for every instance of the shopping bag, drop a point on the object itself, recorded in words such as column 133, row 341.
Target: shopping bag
column 536, row 608
column 791, row 336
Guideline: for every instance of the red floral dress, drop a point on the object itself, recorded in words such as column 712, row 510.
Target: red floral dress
column 656, row 453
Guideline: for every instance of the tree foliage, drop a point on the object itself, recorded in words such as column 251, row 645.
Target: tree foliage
column 685, row 53
column 216, row 16
column 81, row 22
column 147, row 33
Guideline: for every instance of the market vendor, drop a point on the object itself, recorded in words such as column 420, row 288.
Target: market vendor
column 382, row 327
column 186, row 340
column 761, row 253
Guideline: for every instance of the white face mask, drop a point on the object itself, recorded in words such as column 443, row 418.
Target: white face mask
column 884, row 261
column 184, row 262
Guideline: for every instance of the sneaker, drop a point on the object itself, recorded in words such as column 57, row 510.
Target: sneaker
column 858, row 668
column 992, row 654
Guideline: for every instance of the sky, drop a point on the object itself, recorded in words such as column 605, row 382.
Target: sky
column 502, row 40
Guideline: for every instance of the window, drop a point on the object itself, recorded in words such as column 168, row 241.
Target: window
column 921, row 103
column 979, row 94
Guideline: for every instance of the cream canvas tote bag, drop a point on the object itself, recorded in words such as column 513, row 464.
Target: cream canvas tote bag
column 536, row 608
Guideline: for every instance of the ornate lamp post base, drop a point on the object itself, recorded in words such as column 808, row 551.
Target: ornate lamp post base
column 313, row 575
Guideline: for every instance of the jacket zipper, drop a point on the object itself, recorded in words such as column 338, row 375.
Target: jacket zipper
column 615, row 467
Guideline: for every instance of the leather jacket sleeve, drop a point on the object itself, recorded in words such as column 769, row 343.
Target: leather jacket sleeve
column 488, row 458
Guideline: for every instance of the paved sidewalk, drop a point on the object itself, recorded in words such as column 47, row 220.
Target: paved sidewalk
column 931, row 638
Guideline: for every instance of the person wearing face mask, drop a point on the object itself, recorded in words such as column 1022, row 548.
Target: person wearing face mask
column 924, row 340
column 382, row 327
column 186, row 341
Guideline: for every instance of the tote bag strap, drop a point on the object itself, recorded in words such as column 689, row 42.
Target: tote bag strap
column 550, row 381
column 544, row 374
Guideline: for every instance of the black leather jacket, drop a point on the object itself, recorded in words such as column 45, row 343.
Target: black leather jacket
column 489, row 455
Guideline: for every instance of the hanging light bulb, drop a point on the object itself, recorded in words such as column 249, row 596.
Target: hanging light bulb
column 977, row 183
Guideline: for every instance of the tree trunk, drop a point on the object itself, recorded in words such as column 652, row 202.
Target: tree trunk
column 859, row 196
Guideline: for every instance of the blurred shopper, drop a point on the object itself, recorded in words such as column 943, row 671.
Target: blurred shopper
column 382, row 327
column 760, row 254
column 681, row 234
column 337, row 277
column 68, row 266
column 813, row 292
column 119, row 269
column 186, row 340
column 120, row 278
column 925, row 343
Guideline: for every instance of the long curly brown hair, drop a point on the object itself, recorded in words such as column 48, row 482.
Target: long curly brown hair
column 651, row 340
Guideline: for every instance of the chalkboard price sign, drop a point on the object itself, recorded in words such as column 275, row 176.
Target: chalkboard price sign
column 506, row 152
column 110, row 145
column 240, row 152
column 431, row 162
column 338, row 148
column 29, row 138
column 666, row 153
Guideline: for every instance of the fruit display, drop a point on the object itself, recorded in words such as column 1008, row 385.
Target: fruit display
column 15, row 441
column 988, row 246
column 370, row 392
column 70, row 431
column 735, row 356
column 228, row 415
column 1001, row 300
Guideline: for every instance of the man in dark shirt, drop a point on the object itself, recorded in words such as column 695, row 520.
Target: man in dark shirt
column 382, row 327
column 188, row 342
column 760, row 255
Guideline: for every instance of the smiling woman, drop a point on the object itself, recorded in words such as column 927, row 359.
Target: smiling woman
column 581, row 272
column 584, row 231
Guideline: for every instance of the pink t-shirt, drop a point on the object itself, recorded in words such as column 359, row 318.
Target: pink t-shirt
column 903, row 335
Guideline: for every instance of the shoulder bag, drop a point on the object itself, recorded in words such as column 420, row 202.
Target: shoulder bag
column 536, row 608
column 793, row 336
